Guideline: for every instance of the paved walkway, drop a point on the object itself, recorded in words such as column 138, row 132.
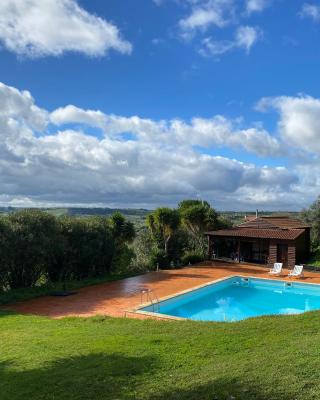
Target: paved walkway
column 115, row 298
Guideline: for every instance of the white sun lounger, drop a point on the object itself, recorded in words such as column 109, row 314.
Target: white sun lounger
column 276, row 270
column 297, row 271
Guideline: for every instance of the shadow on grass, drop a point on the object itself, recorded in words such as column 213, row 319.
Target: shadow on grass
column 225, row 389
column 5, row 313
column 118, row 377
column 94, row 376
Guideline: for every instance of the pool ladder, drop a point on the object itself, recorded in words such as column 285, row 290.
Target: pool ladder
column 245, row 281
column 149, row 296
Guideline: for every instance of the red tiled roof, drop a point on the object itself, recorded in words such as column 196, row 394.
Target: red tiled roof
column 282, row 234
column 273, row 222
column 257, row 223
column 286, row 222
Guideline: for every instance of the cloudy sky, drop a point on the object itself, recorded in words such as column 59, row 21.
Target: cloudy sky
column 141, row 103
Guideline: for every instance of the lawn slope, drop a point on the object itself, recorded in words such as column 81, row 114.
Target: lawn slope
column 105, row 358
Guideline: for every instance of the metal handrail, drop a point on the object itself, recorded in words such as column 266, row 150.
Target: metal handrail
column 151, row 298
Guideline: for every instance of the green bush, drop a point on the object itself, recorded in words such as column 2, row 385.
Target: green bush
column 32, row 235
column 85, row 248
column 158, row 257
column 37, row 248
column 143, row 248
column 123, row 261
column 192, row 258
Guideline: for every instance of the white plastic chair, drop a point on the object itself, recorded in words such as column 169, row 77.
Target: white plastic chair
column 297, row 272
column 276, row 270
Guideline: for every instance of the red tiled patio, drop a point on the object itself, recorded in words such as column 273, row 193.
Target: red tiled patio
column 116, row 298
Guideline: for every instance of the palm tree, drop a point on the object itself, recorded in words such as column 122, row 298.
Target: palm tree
column 198, row 217
column 164, row 222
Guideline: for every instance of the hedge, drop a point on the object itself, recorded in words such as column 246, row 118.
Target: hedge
column 37, row 247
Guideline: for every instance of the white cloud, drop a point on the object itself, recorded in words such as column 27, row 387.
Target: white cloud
column 311, row 11
column 160, row 166
column 211, row 47
column 299, row 120
column 70, row 113
column 204, row 132
column 256, row 5
column 35, row 28
column 245, row 38
column 18, row 107
column 208, row 13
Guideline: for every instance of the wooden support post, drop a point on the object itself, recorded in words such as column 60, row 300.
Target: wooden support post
column 209, row 247
column 239, row 249
column 272, row 257
column 291, row 255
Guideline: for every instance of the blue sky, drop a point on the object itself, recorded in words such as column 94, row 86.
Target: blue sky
column 144, row 103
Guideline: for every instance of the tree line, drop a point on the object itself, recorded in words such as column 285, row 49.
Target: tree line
column 176, row 236
column 37, row 248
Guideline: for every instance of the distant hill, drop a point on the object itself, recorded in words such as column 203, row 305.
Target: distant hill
column 82, row 211
column 138, row 216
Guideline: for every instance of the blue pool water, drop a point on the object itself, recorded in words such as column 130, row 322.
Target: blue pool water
column 238, row 298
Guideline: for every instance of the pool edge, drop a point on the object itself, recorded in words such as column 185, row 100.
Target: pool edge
column 155, row 315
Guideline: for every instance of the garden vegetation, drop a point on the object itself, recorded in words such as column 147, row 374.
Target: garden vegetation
column 38, row 249
column 40, row 252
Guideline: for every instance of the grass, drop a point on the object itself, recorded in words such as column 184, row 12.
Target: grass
column 121, row 359
column 12, row 296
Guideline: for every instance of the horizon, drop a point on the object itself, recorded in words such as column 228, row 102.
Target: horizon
column 261, row 212
column 143, row 105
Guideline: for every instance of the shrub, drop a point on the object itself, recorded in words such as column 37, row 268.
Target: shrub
column 6, row 252
column 158, row 257
column 192, row 258
column 123, row 261
column 32, row 237
column 143, row 247
column 36, row 247
column 85, row 248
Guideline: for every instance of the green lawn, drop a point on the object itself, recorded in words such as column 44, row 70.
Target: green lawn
column 105, row 358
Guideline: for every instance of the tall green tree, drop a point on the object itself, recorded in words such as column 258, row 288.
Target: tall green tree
column 311, row 216
column 198, row 217
column 123, row 235
column 163, row 223
column 123, row 230
column 33, row 236
column 6, row 252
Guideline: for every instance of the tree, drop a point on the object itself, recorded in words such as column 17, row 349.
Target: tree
column 123, row 230
column 198, row 217
column 6, row 252
column 144, row 248
column 164, row 222
column 32, row 237
column 123, row 234
column 85, row 248
column 312, row 217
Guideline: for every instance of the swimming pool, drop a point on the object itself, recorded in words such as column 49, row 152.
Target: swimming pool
column 238, row 298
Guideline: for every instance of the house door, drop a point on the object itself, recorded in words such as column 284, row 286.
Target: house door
column 282, row 254
column 246, row 251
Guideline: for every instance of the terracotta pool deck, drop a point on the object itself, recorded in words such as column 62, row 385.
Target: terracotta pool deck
column 117, row 298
